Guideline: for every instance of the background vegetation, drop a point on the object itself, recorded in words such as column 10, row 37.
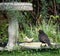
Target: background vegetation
column 45, row 16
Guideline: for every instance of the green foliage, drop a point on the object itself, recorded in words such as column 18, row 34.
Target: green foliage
column 44, row 9
column 3, row 32
column 58, row 1
column 25, row 19
column 30, row 32
column 49, row 28
column 31, row 53
column 54, row 17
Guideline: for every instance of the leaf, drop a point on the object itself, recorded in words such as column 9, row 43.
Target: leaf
column 58, row 1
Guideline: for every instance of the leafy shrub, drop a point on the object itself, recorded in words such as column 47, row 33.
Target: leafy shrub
column 49, row 28
column 3, row 32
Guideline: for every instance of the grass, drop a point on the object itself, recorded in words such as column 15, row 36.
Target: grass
column 31, row 53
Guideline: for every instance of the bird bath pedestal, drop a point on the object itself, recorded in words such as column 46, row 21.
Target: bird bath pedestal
column 13, row 22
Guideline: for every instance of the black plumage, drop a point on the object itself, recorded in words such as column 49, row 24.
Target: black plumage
column 43, row 37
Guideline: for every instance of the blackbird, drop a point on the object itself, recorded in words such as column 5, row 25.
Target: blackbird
column 43, row 37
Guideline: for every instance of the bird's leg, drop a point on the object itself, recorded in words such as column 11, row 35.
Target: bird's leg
column 46, row 44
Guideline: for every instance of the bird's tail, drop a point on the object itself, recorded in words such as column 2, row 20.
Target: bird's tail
column 49, row 44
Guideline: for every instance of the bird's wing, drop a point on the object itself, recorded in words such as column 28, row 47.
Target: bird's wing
column 45, row 39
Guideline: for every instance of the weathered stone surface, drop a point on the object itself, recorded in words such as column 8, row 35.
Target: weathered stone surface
column 39, row 45
column 16, row 6
column 35, row 45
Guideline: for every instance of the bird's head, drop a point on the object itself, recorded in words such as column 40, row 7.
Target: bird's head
column 40, row 31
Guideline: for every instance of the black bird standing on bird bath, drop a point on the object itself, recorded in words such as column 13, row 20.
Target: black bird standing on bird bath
column 43, row 38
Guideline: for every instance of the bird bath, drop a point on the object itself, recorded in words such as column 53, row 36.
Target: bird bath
column 13, row 21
